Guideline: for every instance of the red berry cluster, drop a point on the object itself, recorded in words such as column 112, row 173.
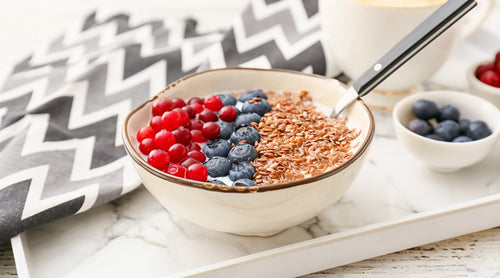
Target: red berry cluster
column 490, row 73
column 171, row 140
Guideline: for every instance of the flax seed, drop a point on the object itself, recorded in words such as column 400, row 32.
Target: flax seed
column 297, row 141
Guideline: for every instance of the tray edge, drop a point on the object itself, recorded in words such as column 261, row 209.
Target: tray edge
column 320, row 252
column 21, row 257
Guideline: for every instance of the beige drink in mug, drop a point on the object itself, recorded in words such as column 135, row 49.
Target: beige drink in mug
column 359, row 32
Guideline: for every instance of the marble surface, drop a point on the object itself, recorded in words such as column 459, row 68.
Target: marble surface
column 136, row 237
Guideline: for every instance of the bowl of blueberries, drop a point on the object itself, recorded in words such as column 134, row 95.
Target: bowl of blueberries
column 247, row 151
column 446, row 130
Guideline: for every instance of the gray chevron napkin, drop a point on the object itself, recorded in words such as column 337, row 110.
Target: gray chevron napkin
column 61, row 108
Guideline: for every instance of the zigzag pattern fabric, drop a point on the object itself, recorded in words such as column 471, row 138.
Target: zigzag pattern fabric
column 61, row 109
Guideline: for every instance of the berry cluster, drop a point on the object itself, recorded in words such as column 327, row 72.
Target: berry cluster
column 230, row 155
column 173, row 137
column 204, row 137
column 490, row 73
column 449, row 126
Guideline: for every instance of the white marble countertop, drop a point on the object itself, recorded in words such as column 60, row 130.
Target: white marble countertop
column 136, row 237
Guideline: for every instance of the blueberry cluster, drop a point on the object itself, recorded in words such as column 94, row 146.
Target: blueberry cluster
column 230, row 154
column 448, row 125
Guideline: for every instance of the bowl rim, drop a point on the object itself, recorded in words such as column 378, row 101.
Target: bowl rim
column 472, row 79
column 416, row 96
column 137, row 158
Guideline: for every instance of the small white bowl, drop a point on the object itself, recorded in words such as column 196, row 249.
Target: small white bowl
column 490, row 93
column 447, row 156
column 261, row 210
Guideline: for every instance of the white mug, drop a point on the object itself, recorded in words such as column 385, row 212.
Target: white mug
column 359, row 32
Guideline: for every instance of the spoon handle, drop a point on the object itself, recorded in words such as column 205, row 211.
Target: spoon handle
column 426, row 32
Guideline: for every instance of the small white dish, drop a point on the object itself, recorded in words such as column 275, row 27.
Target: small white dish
column 490, row 93
column 260, row 210
column 447, row 156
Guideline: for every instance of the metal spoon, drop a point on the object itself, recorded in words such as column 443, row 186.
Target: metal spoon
column 421, row 36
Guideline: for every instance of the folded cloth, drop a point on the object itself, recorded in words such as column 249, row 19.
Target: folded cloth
column 61, row 109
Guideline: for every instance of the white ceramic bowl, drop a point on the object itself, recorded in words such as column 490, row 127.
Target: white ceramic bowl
column 262, row 210
column 447, row 156
column 490, row 93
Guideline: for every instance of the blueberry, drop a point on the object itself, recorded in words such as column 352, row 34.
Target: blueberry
column 226, row 129
column 464, row 125
column 242, row 152
column 245, row 133
column 447, row 129
column 251, row 94
column 461, row 138
column 448, row 112
column 246, row 119
column 241, row 170
column 425, row 109
column 420, row 127
column 434, row 136
column 218, row 166
column 227, row 99
column 478, row 130
column 217, row 147
column 244, row 182
column 216, row 181
column 259, row 106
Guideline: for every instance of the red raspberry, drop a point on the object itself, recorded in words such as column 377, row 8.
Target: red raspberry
column 188, row 162
column 497, row 57
column 211, row 131
column 195, row 100
column 482, row 68
column 197, row 172
column 190, row 110
column 176, row 170
column 145, row 132
column 161, row 105
column 228, row 114
column 147, row 145
column 491, row 78
column 208, row 116
column 156, row 123
column 193, row 147
column 198, row 155
column 159, row 159
column 184, row 116
column 164, row 139
column 171, row 120
column 197, row 136
column 195, row 124
column 213, row 103
column 177, row 152
column 178, row 102
column 182, row 135
column 198, row 108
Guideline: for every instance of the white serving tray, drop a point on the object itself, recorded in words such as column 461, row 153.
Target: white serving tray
column 360, row 243
column 394, row 204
